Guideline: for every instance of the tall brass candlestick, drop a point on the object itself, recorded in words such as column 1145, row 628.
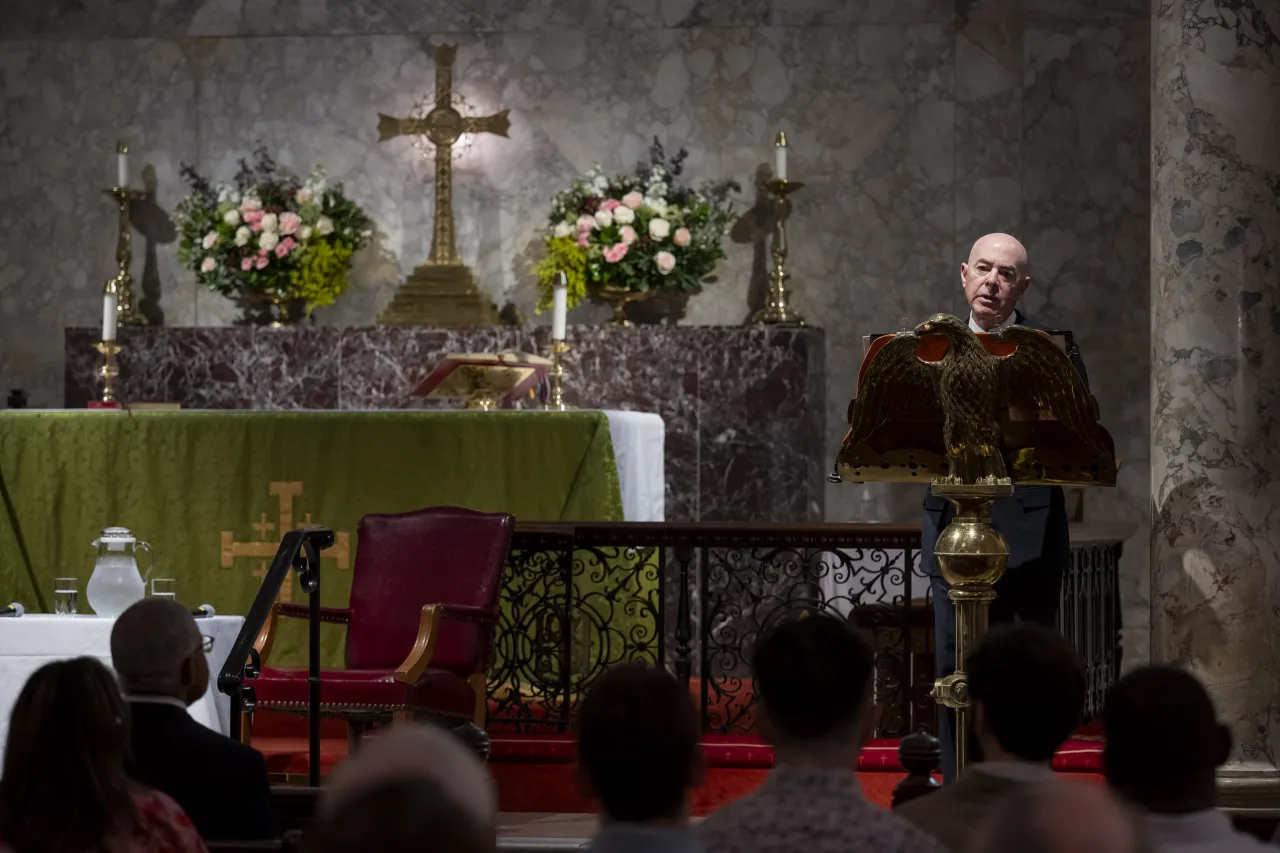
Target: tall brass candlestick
column 778, row 308
column 555, row 379
column 126, row 307
column 108, row 371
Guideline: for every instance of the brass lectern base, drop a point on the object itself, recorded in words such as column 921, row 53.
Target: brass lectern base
column 439, row 295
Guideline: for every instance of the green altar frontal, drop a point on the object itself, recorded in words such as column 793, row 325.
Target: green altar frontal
column 214, row 491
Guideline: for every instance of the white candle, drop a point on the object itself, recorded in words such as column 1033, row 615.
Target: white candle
column 559, row 306
column 108, row 316
column 780, row 157
column 122, row 165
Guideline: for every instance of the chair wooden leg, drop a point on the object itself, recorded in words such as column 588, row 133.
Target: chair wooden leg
column 478, row 687
column 475, row 738
column 246, row 728
column 355, row 731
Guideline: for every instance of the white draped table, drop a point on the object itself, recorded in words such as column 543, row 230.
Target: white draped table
column 639, row 442
column 29, row 642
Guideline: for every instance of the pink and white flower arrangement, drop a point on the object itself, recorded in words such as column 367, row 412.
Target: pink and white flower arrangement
column 640, row 231
column 269, row 234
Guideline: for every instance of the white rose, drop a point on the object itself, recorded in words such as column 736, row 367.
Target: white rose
column 659, row 229
column 209, row 239
column 624, row 215
column 304, row 195
column 324, row 226
column 242, row 235
column 270, row 222
column 562, row 229
column 267, row 240
column 657, row 205
column 304, row 233
column 249, row 204
column 604, row 218
column 231, row 217
column 208, row 265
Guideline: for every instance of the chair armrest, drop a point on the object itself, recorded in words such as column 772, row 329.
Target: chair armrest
column 468, row 613
column 341, row 615
column 424, row 645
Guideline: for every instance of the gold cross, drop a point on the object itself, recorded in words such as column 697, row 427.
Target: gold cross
column 443, row 126
column 265, row 548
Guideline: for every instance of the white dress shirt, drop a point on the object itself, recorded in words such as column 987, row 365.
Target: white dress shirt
column 1208, row 831
column 1016, row 318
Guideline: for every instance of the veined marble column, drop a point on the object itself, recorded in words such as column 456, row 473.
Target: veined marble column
column 1215, row 365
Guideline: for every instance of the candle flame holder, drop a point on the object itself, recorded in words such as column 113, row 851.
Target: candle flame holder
column 777, row 309
column 555, row 379
column 108, row 373
column 127, row 312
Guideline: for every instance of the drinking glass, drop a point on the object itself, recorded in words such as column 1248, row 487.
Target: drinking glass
column 164, row 588
column 66, row 596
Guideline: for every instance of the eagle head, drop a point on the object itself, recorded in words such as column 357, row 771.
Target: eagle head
column 944, row 324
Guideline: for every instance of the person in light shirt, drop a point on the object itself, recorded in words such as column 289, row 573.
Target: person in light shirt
column 1033, row 521
column 1027, row 688
column 1164, row 746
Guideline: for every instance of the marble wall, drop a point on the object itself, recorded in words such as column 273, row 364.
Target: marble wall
column 916, row 125
column 1215, row 295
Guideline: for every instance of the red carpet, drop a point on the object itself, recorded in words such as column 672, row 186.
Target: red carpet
column 535, row 773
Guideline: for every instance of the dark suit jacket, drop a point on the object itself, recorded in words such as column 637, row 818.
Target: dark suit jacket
column 1033, row 521
column 220, row 784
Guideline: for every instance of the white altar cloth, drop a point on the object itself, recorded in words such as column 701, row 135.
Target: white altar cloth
column 30, row 641
column 639, row 445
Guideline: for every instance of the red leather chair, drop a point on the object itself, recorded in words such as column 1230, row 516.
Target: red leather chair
column 424, row 604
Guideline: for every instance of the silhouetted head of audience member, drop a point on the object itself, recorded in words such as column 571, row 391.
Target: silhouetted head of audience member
column 157, row 650
column 813, row 677
column 638, row 748
column 1027, row 686
column 1164, row 741
column 399, row 816
column 1060, row 817
column 410, row 752
column 64, row 786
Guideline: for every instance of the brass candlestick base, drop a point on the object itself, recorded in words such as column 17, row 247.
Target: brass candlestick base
column 972, row 555
column 127, row 313
column 109, row 369
column 777, row 309
column 555, row 379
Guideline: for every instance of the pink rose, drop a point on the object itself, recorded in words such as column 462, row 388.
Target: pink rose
column 628, row 234
column 261, row 262
column 282, row 249
column 208, row 265
column 666, row 262
column 262, row 252
column 610, row 204
column 252, row 216
column 251, row 205
column 304, row 196
column 633, row 200
column 288, row 241
column 586, row 222
column 584, row 238
column 682, row 237
column 246, row 264
column 257, row 226
column 289, row 223
column 616, row 252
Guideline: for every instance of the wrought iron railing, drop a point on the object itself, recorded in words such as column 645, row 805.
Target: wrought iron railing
column 579, row 598
column 299, row 551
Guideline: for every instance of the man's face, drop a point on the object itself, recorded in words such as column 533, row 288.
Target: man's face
column 994, row 280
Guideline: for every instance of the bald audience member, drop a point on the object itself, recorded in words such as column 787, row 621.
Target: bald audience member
column 158, row 653
column 1061, row 817
column 410, row 752
column 1033, row 520
column 1164, row 746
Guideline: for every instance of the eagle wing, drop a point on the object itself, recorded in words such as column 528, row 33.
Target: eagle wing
column 897, row 383
column 1039, row 375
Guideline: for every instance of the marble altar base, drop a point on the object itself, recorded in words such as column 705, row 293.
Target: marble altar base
column 743, row 406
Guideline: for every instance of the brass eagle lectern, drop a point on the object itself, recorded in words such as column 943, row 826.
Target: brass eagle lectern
column 972, row 414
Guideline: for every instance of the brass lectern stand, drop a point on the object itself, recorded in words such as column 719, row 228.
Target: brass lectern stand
column 972, row 414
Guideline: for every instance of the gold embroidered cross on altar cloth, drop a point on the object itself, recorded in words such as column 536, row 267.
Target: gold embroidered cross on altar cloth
column 441, row 292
